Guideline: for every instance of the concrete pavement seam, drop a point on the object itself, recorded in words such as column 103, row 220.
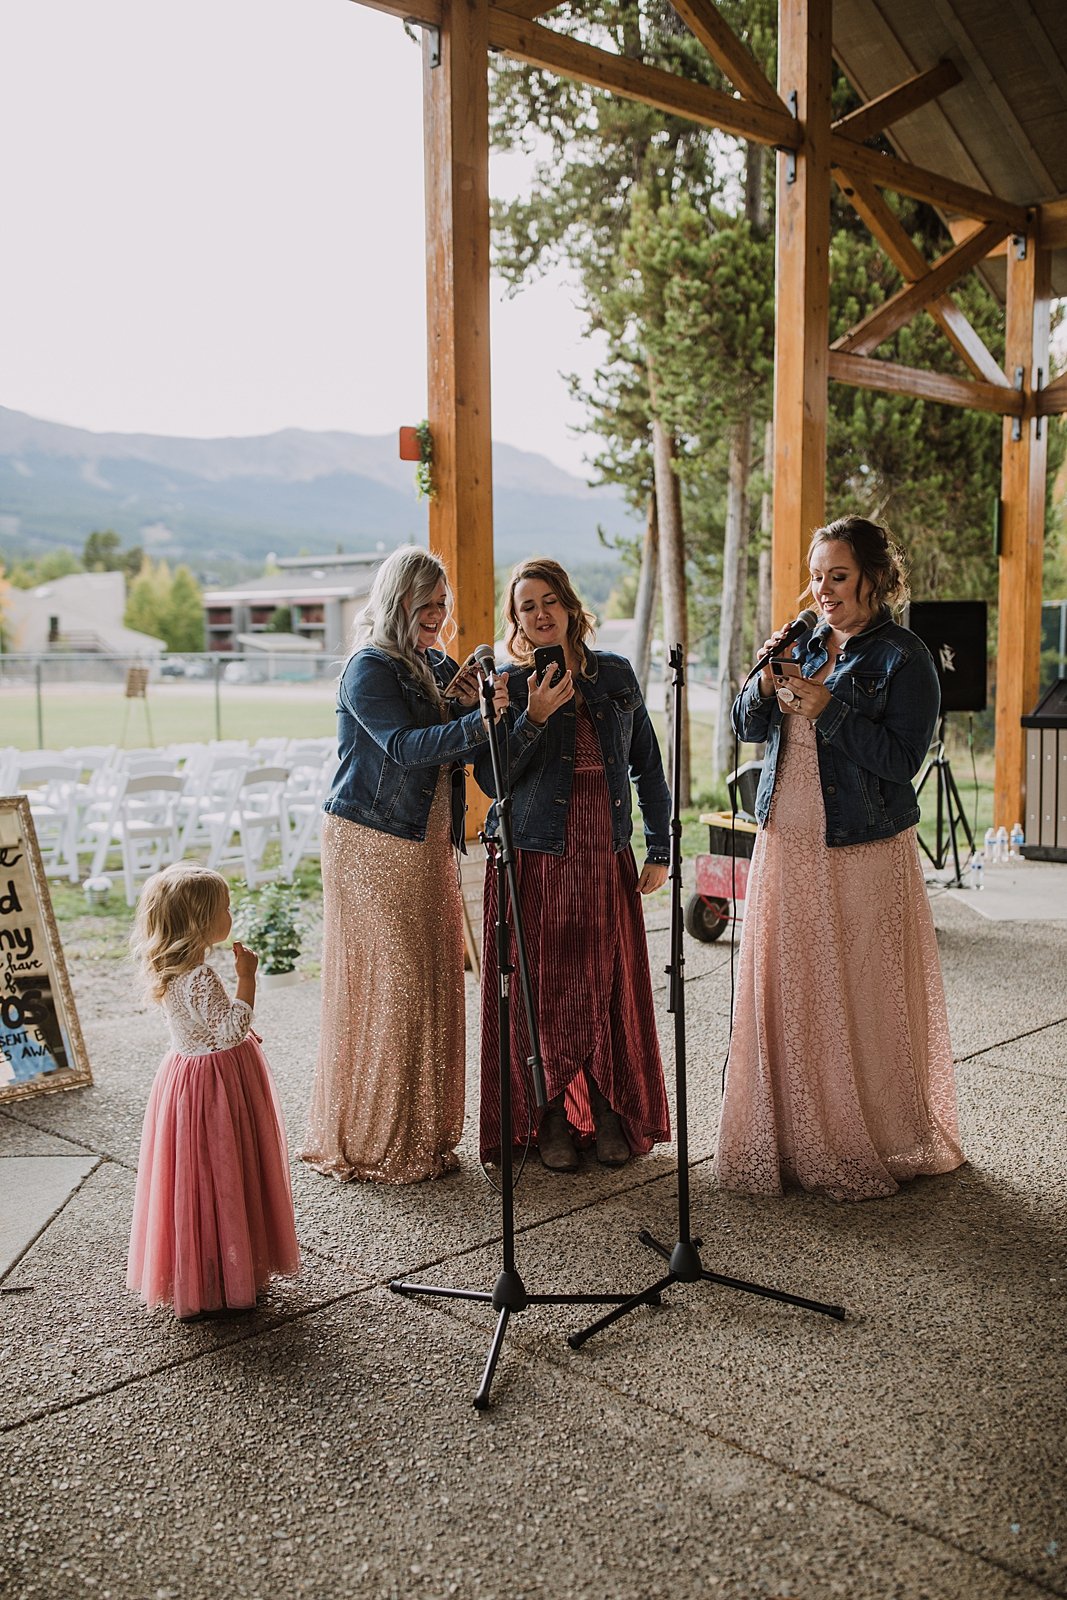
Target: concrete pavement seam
column 49, row 1220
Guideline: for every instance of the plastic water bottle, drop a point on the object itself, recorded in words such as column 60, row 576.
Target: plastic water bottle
column 976, row 870
column 1003, row 850
column 991, row 847
column 1018, row 839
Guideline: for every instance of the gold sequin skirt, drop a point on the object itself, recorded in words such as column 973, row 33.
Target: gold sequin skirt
column 387, row 1105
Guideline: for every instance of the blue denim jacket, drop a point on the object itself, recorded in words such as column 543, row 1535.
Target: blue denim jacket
column 391, row 742
column 542, row 761
column 871, row 738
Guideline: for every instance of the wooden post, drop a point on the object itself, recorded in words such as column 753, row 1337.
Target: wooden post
column 802, row 299
column 456, row 113
column 1022, row 493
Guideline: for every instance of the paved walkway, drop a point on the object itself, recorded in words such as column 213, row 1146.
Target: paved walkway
column 718, row 1446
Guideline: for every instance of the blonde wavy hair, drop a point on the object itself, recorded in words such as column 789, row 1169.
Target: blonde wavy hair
column 580, row 622
column 175, row 915
column 406, row 580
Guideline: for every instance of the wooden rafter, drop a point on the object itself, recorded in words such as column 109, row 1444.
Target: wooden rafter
column 887, row 228
column 1052, row 224
column 556, row 52
column 428, row 11
column 865, row 372
column 898, row 103
column 531, row 9
column 920, row 184
column 902, row 306
column 1052, row 400
column 705, row 22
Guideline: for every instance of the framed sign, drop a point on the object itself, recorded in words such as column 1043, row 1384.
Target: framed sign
column 41, row 1045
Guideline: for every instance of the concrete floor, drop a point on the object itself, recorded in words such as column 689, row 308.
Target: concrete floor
column 721, row 1445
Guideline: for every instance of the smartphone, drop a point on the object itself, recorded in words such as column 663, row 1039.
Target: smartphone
column 549, row 655
column 450, row 688
column 784, row 668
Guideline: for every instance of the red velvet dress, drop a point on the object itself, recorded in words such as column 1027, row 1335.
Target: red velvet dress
column 585, row 940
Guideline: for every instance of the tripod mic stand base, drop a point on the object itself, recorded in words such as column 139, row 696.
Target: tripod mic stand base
column 685, row 1256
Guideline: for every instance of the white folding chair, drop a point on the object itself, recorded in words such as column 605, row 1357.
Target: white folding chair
column 208, row 801
column 259, row 814
column 303, row 801
column 51, row 786
column 143, row 824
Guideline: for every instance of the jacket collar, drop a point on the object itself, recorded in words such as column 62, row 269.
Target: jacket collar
column 821, row 629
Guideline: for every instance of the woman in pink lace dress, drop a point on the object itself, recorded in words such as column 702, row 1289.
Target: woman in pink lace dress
column 840, row 1075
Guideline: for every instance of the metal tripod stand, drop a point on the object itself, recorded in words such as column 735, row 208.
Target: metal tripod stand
column 509, row 1296
column 683, row 1258
column 950, row 813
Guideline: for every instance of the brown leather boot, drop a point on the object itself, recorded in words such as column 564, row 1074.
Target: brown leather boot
column 556, row 1142
column 612, row 1146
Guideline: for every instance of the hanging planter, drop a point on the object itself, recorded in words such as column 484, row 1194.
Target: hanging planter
column 416, row 444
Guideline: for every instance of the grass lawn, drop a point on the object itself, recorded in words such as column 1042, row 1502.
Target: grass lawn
column 180, row 713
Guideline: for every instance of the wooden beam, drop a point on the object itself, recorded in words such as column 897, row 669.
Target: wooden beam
column 706, row 23
column 866, row 372
column 532, row 9
column 555, row 52
column 1022, row 523
column 428, row 11
column 961, row 228
column 456, row 113
column 1052, row 400
column 898, row 103
column 870, row 204
column 902, row 306
column 1052, row 224
column 920, row 184
column 802, row 301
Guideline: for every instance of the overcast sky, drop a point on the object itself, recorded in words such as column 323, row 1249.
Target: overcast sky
column 213, row 224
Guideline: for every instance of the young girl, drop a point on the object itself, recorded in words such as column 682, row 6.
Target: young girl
column 213, row 1211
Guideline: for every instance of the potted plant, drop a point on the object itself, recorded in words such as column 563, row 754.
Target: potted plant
column 268, row 921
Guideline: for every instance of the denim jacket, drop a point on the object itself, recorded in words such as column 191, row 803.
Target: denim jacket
column 871, row 738
column 391, row 742
column 542, row 761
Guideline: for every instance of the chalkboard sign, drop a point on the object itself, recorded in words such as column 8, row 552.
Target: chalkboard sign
column 41, row 1045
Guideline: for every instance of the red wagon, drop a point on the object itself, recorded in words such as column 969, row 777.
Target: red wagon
column 721, row 877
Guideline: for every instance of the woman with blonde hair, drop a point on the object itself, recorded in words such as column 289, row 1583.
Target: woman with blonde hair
column 387, row 1104
column 579, row 739
column 212, row 1211
column 840, row 1075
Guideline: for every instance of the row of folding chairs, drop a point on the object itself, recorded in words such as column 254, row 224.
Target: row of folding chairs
column 227, row 802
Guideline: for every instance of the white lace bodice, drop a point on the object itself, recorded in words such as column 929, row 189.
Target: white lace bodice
column 201, row 1016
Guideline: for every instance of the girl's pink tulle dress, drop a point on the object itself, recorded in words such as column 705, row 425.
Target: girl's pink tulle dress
column 213, row 1210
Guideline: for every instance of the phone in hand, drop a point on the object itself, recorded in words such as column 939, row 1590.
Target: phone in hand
column 453, row 684
column 546, row 656
column 784, row 667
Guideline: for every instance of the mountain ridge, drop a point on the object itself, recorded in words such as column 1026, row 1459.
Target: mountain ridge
column 292, row 491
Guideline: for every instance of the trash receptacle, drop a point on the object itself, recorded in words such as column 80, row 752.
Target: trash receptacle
column 1046, row 776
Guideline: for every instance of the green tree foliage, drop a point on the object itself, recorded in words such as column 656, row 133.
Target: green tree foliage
column 30, row 572
column 167, row 606
column 104, row 553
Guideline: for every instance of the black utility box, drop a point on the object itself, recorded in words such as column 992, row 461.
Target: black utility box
column 1046, row 776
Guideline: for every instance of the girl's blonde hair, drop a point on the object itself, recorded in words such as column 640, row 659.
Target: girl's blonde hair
column 412, row 575
column 580, row 622
column 175, row 915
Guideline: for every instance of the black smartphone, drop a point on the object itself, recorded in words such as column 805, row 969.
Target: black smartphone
column 549, row 655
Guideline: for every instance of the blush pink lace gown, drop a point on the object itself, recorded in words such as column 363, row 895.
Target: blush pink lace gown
column 840, row 1074
column 212, row 1211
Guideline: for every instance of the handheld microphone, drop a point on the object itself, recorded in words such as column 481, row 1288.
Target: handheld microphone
column 803, row 624
column 485, row 661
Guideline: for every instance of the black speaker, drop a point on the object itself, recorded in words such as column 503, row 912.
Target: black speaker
column 954, row 632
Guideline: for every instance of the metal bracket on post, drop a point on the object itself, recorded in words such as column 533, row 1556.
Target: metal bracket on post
column 1037, row 391
column 792, row 101
column 433, row 37
column 1019, row 246
column 1017, row 422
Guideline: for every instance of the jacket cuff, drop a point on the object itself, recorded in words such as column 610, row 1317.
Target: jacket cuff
column 831, row 717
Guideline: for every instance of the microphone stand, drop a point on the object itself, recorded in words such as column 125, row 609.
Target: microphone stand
column 684, row 1263
column 509, row 1295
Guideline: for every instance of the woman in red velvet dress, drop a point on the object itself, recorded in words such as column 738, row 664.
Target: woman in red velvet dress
column 586, row 735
